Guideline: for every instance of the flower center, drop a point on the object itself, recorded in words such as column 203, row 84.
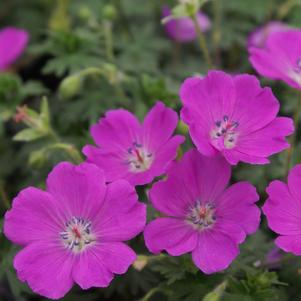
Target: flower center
column 139, row 159
column 201, row 216
column 77, row 235
column 225, row 131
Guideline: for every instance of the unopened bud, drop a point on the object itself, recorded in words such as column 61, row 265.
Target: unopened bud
column 70, row 86
column 109, row 12
column 84, row 13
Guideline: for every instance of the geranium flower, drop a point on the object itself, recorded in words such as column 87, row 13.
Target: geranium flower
column 73, row 231
column 133, row 151
column 202, row 216
column 258, row 37
column 12, row 44
column 280, row 59
column 283, row 211
column 234, row 116
column 183, row 29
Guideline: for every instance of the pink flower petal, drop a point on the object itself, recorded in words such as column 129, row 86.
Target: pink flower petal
column 159, row 117
column 95, row 268
column 121, row 216
column 255, row 106
column 264, row 63
column 214, row 252
column 116, row 256
column 170, row 234
column 79, row 189
column 259, row 36
column 167, row 152
column 268, row 140
column 111, row 163
column 294, row 183
column 279, row 58
column 231, row 228
column 46, row 267
column 34, row 216
column 290, row 243
column 210, row 98
column 236, row 204
column 116, row 131
column 194, row 177
column 201, row 139
column 90, row 271
column 12, row 44
column 234, row 156
column 282, row 210
column 286, row 44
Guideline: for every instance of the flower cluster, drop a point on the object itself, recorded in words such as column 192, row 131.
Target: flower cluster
column 75, row 231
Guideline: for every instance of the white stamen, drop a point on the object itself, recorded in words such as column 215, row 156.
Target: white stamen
column 201, row 216
column 77, row 234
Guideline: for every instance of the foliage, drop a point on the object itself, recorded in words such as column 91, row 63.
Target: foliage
column 86, row 57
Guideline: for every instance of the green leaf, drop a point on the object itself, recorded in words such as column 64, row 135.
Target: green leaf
column 33, row 88
column 217, row 293
column 29, row 134
column 44, row 112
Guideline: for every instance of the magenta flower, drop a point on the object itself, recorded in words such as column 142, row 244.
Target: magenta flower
column 133, row 151
column 280, row 59
column 259, row 36
column 12, row 44
column 201, row 215
column 283, row 211
column 73, row 232
column 183, row 29
column 234, row 116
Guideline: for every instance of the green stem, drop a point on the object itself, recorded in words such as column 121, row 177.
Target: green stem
column 109, row 40
column 216, row 35
column 4, row 197
column 151, row 293
column 290, row 151
column 285, row 8
column 176, row 54
column 202, row 41
column 111, row 57
column 119, row 91
column 91, row 71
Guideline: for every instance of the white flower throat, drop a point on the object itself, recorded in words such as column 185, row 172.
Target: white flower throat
column 227, row 130
column 77, row 235
column 201, row 216
column 139, row 159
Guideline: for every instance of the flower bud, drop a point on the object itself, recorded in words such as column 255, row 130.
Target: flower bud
column 70, row 86
column 109, row 12
column 84, row 13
